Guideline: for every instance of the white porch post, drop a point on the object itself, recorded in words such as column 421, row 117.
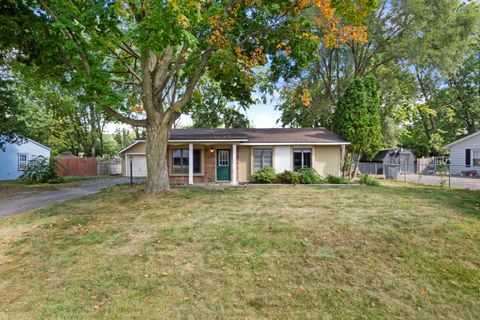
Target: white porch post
column 190, row 163
column 234, row 164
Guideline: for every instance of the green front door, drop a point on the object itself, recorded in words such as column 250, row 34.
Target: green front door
column 223, row 165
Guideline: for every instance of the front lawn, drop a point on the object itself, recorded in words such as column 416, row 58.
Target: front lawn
column 395, row 251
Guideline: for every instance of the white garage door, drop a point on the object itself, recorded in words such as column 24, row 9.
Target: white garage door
column 139, row 166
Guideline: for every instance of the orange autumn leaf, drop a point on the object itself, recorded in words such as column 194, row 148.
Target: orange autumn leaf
column 137, row 108
column 306, row 98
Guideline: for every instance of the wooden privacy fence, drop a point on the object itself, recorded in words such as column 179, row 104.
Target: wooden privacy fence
column 83, row 167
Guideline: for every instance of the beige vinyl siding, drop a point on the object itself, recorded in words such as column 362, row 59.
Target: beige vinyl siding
column 243, row 164
column 140, row 147
column 326, row 160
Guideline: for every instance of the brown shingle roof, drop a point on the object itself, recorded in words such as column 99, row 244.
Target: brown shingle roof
column 274, row 135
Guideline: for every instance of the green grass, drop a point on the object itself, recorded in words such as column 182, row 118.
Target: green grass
column 395, row 251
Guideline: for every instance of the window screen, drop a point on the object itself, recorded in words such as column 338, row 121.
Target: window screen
column 261, row 158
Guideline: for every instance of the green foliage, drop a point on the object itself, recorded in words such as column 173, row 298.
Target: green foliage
column 289, row 177
column 42, row 170
column 368, row 180
column 210, row 108
column 375, row 139
column 264, row 175
column 338, row 180
column 11, row 124
column 351, row 118
column 310, row 176
column 433, row 41
column 357, row 119
column 303, row 176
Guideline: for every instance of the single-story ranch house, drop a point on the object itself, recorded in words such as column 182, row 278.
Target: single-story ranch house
column 15, row 157
column 232, row 155
column 465, row 154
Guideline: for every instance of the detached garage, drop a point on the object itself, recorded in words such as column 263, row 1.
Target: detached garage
column 139, row 165
column 136, row 154
column 465, row 154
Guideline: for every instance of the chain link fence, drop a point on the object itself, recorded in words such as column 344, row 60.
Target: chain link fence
column 434, row 173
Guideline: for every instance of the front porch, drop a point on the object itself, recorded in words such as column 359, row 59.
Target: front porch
column 203, row 163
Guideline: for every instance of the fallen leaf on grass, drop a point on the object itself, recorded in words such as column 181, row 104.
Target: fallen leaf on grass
column 423, row 292
column 99, row 305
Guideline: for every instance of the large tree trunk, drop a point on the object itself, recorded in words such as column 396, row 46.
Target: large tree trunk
column 157, row 168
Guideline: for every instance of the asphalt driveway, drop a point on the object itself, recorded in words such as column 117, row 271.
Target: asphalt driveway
column 27, row 201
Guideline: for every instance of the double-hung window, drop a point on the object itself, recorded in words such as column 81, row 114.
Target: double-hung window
column 180, row 161
column 302, row 158
column 22, row 161
column 261, row 158
column 476, row 157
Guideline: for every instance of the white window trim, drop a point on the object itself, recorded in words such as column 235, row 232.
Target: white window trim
column 471, row 156
column 21, row 162
column 198, row 174
column 312, row 156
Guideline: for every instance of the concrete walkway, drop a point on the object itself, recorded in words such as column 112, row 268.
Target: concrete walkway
column 29, row 201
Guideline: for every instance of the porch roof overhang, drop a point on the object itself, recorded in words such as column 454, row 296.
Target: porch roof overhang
column 198, row 140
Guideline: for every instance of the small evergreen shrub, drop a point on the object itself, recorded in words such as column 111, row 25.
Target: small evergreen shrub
column 337, row 180
column 289, row 177
column 42, row 170
column 368, row 180
column 264, row 175
column 310, row 176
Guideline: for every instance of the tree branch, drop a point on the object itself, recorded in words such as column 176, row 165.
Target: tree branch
column 192, row 82
column 126, row 48
column 130, row 70
column 126, row 82
column 125, row 119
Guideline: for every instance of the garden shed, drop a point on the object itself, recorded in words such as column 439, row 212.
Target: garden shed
column 403, row 158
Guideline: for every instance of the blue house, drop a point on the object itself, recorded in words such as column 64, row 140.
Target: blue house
column 14, row 159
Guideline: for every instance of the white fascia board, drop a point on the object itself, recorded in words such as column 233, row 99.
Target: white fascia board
column 448, row 146
column 131, row 145
column 39, row 144
column 295, row 144
column 193, row 141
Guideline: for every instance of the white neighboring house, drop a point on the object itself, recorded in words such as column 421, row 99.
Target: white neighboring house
column 465, row 154
column 14, row 159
